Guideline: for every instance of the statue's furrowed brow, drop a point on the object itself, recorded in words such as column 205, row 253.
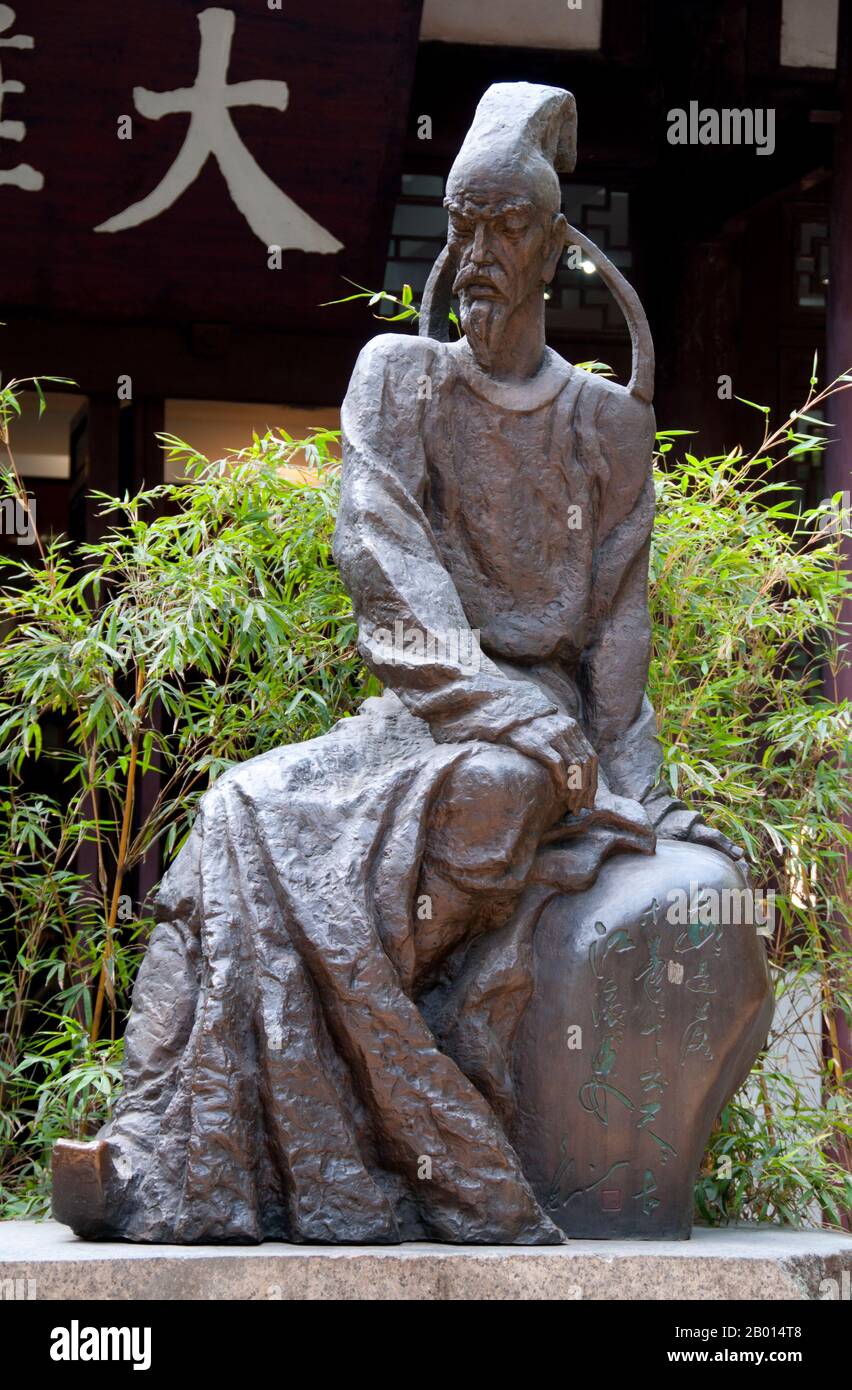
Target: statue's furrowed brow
column 469, row 208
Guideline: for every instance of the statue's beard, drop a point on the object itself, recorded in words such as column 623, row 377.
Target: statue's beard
column 483, row 322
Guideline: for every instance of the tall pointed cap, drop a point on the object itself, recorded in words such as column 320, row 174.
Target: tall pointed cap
column 522, row 134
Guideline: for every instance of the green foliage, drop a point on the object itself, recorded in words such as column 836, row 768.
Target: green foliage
column 407, row 311
column 746, row 593
column 209, row 625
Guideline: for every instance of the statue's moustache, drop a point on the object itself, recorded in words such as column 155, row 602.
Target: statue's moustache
column 466, row 278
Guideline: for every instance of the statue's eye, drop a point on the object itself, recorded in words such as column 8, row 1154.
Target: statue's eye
column 513, row 226
column 461, row 228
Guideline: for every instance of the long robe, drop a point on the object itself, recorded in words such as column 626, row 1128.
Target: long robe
column 320, row 1042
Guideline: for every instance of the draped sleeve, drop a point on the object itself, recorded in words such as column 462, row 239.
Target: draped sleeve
column 616, row 436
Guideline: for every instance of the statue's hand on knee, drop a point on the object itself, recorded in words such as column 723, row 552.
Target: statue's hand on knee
column 558, row 743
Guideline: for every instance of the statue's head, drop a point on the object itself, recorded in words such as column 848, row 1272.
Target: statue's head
column 506, row 231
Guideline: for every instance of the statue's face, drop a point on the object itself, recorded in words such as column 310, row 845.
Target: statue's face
column 506, row 246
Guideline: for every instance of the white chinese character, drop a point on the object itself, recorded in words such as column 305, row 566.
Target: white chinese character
column 23, row 175
column 272, row 216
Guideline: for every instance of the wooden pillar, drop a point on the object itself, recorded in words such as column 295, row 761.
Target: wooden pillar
column 838, row 457
column 95, row 464
column 704, row 345
column 142, row 455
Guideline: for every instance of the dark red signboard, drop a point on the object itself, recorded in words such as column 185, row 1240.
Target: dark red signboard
column 153, row 151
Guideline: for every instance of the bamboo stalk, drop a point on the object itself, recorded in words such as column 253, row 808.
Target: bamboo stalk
column 120, row 864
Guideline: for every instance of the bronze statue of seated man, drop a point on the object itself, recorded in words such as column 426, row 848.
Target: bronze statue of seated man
column 421, row 978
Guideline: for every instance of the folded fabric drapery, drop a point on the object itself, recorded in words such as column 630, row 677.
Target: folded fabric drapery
column 281, row 1079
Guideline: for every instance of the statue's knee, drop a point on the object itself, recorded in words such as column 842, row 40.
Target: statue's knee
column 491, row 811
column 494, row 786
column 502, row 778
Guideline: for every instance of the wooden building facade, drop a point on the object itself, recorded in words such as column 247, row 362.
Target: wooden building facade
column 138, row 251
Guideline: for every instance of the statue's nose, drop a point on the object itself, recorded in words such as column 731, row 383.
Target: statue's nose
column 480, row 251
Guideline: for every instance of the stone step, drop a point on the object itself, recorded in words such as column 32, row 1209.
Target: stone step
column 43, row 1260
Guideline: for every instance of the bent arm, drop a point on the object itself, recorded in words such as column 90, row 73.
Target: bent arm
column 614, row 668
column 412, row 629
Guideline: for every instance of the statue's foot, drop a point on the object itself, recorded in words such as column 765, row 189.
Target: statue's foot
column 83, row 1179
